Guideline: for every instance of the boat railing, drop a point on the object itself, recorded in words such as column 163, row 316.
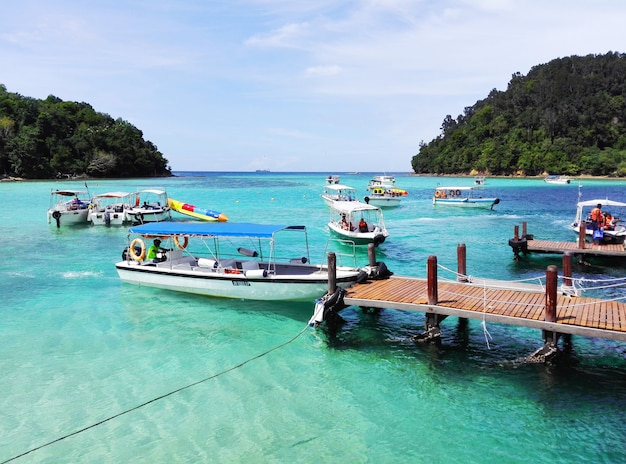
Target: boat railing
column 337, row 245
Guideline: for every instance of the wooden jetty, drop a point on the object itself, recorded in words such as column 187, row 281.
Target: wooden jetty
column 558, row 312
column 526, row 244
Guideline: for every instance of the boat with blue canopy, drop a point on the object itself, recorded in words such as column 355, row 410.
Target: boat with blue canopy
column 231, row 260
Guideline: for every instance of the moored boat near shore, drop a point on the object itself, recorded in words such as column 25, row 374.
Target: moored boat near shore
column 68, row 207
column 465, row 197
column 206, row 259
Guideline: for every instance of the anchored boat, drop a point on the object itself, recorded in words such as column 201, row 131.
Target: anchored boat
column 467, row 197
column 229, row 260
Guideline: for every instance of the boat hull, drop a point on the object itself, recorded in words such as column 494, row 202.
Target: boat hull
column 107, row 218
column 485, row 203
column 68, row 218
column 293, row 287
column 382, row 201
column 359, row 238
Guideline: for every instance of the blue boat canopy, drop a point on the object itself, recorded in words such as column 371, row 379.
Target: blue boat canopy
column 211, row 229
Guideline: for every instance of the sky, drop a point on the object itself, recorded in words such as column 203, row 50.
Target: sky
column 306, row 86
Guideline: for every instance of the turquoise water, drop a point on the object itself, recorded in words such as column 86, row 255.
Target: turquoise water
column 78, row 347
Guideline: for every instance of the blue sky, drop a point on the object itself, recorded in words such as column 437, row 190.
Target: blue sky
column 325, row 85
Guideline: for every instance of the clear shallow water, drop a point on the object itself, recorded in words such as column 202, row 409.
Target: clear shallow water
column 79, row 347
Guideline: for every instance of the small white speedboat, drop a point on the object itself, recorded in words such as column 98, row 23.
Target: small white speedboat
column 465, row 197
column 206, row 258
column 612, row 231
column 338, row 192
column 68, row 207
column 151, row 205
column 557, row 180
column 111, row 208
column 357, row 222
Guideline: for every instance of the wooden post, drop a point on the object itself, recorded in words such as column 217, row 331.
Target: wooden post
column 582, row 235
column 461, row 255
column 371, row 254
column 332, row 272
column 551, row 292
column 567, row 269
column 516, row 233
column 524, row 229
column 433, row 297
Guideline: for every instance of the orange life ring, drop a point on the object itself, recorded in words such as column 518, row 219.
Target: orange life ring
column 231, row 271
column 185, row 242
column 131, row 250
column 437, row 194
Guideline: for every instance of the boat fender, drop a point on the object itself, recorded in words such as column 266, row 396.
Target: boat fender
column 56, row 214
column 207, row 263
column 378, row 239
column 248, row 252
column 518, row 246
column 107, row 218
column 367, row 200
column 135, row 245
column 328, row 306
column 497, row 200
column 256, row 273
column 178, row 244
column 362, row 276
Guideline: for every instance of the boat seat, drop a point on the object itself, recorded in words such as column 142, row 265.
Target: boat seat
column 227, row 263
column 249, row 265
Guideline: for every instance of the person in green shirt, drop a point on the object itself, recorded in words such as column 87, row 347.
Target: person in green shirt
column 153, row 250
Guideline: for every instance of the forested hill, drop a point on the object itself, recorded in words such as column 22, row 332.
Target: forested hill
column 565, row 117
column 43, row 139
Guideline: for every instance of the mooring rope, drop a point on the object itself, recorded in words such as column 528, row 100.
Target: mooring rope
column 134, row 408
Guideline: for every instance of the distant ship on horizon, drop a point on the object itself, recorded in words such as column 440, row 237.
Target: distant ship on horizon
column 262, row 170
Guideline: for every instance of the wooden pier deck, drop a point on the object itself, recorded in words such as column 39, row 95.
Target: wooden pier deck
column 526, row 243
column 546, row 246
column 522, row 307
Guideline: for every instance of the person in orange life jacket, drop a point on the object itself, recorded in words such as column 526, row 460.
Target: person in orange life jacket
column 596, row 217
column 363, row 226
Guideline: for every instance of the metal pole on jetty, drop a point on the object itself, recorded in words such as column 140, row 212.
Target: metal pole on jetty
column 332, row 273
column 371, row 254
column 432, row 320
column 461, row 256
column 582, row 235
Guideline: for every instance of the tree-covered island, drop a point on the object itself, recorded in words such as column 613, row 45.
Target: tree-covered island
column 51, row 138
column 565, row 117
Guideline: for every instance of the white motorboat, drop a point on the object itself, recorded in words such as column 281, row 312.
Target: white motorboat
column 558, row 180
column 480, row 180
column 68, row 207
column 206, row 259
column 357, row 222
column 466, row 197
column 385, row 197
column 333, row 179
column 111, row 208
column 151, row 205
column 609, row 231
column 383, row 181
column 338, row 192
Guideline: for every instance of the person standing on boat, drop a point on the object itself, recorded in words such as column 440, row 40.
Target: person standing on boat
column 597, row 220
